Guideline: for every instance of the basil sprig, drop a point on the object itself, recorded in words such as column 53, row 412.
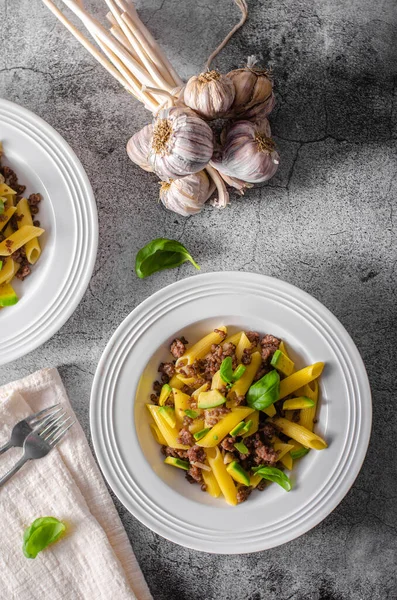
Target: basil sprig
column 161, row 254
column 226, row 371
column 275, row 475
column 41, row 533
column 264, row 392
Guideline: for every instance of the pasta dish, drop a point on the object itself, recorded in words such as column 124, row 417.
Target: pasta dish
column 234, row 413
column 19, row 233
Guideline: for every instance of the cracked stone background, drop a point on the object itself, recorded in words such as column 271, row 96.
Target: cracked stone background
column 325, row 223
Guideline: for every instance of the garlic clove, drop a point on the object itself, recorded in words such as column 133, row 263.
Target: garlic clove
column 138, row 147
column 261, row 111
column 182, row 143
column 186, row 196
column 209, row 94
column 248, row 153
column 253, row 86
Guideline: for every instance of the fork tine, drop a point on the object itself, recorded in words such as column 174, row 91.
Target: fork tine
column 55, row 429
column 48, row 423
column 41, row 413
column 42, row 420
column 60, row 435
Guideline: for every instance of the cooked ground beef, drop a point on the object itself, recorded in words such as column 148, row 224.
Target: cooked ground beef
column 212, row 362
column 261, row 485
column 154, row 398
column 34, row 199
column 243, row 493
column 167, row 369
column 11, row 179
column 253, row 337
column 268, row 430
column 185, row 437
column 260, row 452
column 194, row 475
column 265, row 455
column 178, row 347
column 263, row 369
column 187, row 421
column 176, row 453
column 296, row 416
column 221, row 333
column 213, row 415
column 187, row 390
column 196, row 454
column 269, row 344
column 247, row 355
column 157, row 387
column 228, row 444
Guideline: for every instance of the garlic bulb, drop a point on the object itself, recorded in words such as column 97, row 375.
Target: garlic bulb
column 186, row 196
column 248, row 153
column 210, row 94
column 181, row 144
column 261, row 111
column 138, row 147
column 253, row 86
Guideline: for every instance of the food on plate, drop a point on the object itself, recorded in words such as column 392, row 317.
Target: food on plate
column 233, row 412
column 19, row 233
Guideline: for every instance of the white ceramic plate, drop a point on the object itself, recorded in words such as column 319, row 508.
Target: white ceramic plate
column 157, row 494
column 45, row 163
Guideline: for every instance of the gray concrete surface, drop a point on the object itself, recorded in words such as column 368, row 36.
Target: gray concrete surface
column 326, row 223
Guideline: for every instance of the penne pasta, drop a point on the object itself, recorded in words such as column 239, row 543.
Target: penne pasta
column 210, row 481
column 202, row 347
column 175, row 382
column 222, row 428
column 181, row 403
column 32, row 247
column 204, row 388
column 224, row 480
column 300, row 378
column 8, row 230
column 242, row 345
column 270, row 411
column 287, row 461
column 7, row 273
column 282, row 449
column 192, row 382
column 233, row 339
column 255, row 479
column 157, row 435
column 217, row 382
column 241, row 387
column 307, row 415
column 300, row 434
column 6, row 216
column 170, row 434
column 18, row 239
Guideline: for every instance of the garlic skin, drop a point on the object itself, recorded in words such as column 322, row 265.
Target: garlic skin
column 209, row 94
column 261, row 111
column 186, row 196
column 182, row 143
column 253, row 86
column 248, row 153
column 138, row 147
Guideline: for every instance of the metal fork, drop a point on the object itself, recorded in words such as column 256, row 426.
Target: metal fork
column 22, row 429
column 41, row 441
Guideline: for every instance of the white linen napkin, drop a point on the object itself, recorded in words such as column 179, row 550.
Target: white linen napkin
column 94, row 560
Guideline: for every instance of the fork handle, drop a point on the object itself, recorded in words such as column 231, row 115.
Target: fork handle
column 6, row 447
column 14, row 469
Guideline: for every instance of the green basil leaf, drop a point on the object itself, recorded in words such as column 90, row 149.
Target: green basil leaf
column 1, row 206
column 41, row 533
column 226, row 370
column 239, row 372
column 264, row 392
column 275, row 475
column 299, row 453
column 161, row 254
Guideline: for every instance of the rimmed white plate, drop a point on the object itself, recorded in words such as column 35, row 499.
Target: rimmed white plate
column 45, row 163
column 158, row 495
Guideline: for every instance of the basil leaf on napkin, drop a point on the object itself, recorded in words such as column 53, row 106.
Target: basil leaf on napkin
column 264, row 392
column 275, row 475
column 41, row 533
column 161, row 254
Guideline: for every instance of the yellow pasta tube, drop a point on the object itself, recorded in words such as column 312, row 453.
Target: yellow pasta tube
column 225, row 481
column 10, row 267
column 282, row 449
column 254, row 480
column 270, row 411
column 212, row 485
column 204, row 388
column 8, row 230
column 300, row 434
column 287, row 461
column 217, row 382
column 175, row 382
column 181, row 403
column 5, row 190
column 32, row 247
column 197, row 425
column 157, row 434
column 307, row 415
column 242, row 385
column 234, row 338
column 222, row 428
column 6, row 216
column 192, row 382
column 202, row 347
column 243, row 344
column 170, row 434
column 295, row 381
column 18, row 239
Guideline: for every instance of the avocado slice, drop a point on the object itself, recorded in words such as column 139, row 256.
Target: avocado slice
column 168, row 414
column 238, row 429
column 200, row 434
column 8, row 296
column 282, row 363
column 177, row 462
column 164, row 394
column 298, row 403
column 241, row 447
column 247, row 427
column 238, row 473
column 210, row 399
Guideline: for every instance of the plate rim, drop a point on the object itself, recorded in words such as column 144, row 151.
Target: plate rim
column 89, row 223
column 364, row 400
